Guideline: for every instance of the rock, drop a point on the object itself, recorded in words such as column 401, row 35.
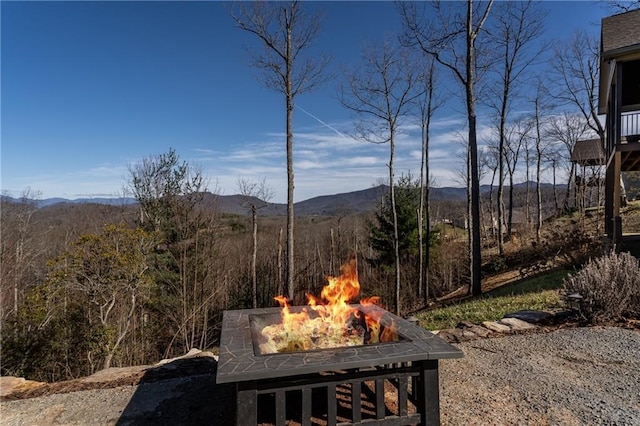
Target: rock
column 448, row 335
column 532, row 317
column 479, row 331
column 470, row 329
column 193, row 353
column 468, row 335
column 497, row 327
column 118, row 373
column 11, row 384
column 516, row 325
column 114, row 373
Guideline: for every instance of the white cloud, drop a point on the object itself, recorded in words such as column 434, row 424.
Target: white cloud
column 440, row 154
column 363, row 161
column 324, row 163
column 307, row 165
column 253, row 152
column 108, row 171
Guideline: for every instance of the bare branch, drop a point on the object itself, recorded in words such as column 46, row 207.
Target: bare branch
column 286, row 33
column 576, row 72
column 381, row 91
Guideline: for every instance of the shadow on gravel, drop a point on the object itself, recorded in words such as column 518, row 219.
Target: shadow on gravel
column 183, row 392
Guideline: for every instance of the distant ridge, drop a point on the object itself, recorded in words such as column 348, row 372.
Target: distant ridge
column 362, row 201
column 118, row 201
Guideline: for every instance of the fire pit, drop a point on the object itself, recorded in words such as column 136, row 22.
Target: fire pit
column 314, row 361
column 410, row 364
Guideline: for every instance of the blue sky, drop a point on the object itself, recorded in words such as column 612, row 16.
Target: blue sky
column 89, row 88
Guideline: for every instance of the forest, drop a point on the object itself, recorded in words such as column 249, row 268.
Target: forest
column 91, row 286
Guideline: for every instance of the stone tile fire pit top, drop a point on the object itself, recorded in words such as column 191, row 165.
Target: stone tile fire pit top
column 238, row 360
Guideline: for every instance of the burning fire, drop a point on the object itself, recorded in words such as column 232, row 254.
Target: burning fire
column 332, row 321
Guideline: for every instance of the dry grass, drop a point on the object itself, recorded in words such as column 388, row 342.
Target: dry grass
column 537, row 293
column 533, row 273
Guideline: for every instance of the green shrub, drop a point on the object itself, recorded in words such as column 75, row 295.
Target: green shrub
column 610, row 287
column 496, row 264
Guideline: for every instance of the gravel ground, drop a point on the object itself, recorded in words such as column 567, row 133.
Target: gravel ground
column 581, row 376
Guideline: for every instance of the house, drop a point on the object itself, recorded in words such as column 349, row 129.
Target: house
column 588, row 153
column 619, row 99
column 589, row 158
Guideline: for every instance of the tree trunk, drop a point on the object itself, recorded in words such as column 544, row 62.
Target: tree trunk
column 555, row 189
column 332, row 255
column 527, row 192
column 396, row 236
column 467, row 224
column 501, row 159
column 107, row 361
column 121, row 335
column 492, row 214
column 254, row 256
column 538, row 179
column 290, row 186
column 281, row 289
column 510, row 216
column 424, row 224
column 419, row 214
column 427, row 232
column 475, row 252
column 285, row 32
column 421, row 287
column 567, row 195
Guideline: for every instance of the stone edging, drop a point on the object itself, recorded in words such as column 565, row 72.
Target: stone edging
column 515, row 323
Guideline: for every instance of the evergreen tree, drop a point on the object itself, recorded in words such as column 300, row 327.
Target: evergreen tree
column 381, row 232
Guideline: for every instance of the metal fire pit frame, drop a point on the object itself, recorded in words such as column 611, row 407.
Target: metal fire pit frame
column 415, row 358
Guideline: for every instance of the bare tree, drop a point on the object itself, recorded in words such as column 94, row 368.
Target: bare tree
column 286, row 33
column 257, row 195
column 568, row 129
column 622, row 6
column 518, row 26
column 541, row 107
column 515, row 137
column 553, row 156
column 528, row 163
column 429, row 103
column 170, row 192
column 575, row 70
column 17, row 250
column 381, row 92
column 489, row 161
column 451, row 40
column 164, row 186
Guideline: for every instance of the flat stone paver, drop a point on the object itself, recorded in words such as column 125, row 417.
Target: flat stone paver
column 497, row 327
column 516, row 324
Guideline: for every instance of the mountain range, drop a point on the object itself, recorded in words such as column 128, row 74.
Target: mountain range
column 365, row 200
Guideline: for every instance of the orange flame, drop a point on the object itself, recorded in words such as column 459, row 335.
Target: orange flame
column 331, row 319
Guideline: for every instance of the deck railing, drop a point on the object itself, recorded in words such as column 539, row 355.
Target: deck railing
column 630, row 124
column 629, row 131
